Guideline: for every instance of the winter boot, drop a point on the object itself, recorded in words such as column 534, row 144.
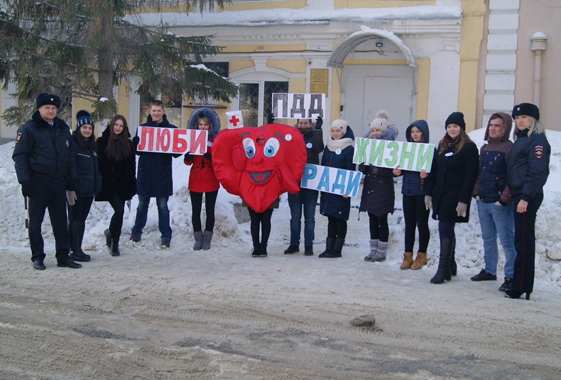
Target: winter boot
column 329, row 242
column 107, row 238
column 77, row 236
column 336, row 250
column 308, row 250
column 407, row 260
column 198, row 240
column 453, row 265
column 255, row 252
column 420, row 261
column 443, row 272
column 263, row 250
column 382, row 251
column 115, row 246
column 291, row 249
column 207, row 237
column 373, row 249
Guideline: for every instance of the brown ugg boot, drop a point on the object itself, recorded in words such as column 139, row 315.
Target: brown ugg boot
column 419, row 261
column 407, row 260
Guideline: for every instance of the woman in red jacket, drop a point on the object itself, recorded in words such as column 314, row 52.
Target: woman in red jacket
column 202, row 179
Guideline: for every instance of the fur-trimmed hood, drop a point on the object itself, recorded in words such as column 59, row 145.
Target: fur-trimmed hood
column 389, row 134
column 212, row 118
column 423, row 126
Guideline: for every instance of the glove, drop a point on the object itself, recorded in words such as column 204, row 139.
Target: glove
column 71, row 197
column 428, row 202
column 135, row 141
column 208, row 156
column 26, row 189
column 461, row 209
column 187, row 157
column 270, row 118
column 319, row 122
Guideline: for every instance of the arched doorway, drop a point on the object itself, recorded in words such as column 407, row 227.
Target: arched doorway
column 378, row 72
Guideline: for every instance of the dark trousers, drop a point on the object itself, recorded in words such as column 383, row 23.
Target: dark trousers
column 79, row 212
column 336, row 228
column 416, row 215
column 116, row 223
column 525, row 243
column 196, row 207
column 379, row 228
column 48, row 194
column 260, row 221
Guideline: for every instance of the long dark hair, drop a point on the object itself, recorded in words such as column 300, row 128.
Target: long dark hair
column 458, row 143
column 82, row 142
column 118, row 146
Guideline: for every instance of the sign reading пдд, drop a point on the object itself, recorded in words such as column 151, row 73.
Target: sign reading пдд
column 298, row 106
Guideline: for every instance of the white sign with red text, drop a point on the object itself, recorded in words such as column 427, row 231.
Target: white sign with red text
column 172, row 140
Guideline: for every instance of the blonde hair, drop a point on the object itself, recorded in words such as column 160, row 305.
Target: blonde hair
column 535, row 126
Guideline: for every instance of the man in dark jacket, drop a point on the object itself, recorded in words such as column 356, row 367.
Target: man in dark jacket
column 154, row 180
column 43, row 165
column 305, row 199
column 494, row 203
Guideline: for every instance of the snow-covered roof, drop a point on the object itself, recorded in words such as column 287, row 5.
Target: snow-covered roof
column 303, row 16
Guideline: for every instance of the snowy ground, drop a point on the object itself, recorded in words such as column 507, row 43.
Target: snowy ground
column 172, row 314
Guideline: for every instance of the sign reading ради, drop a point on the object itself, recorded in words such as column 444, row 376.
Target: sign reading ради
column 331, row 180
column 298, row 106
column 389, row 154
column 172, row 140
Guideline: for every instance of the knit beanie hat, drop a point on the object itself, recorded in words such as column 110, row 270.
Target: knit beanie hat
column 340, row 124
column 380, row 122
column 456, row 118
column 83, row 117
column 44, row 99
column 527, row 109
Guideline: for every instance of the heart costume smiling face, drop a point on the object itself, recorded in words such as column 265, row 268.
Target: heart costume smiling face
column 260, row 164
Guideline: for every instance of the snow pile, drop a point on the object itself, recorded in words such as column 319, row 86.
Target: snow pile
column 232, row 237
column 284, row 16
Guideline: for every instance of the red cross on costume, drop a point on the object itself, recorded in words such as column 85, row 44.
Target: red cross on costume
column 234, row 121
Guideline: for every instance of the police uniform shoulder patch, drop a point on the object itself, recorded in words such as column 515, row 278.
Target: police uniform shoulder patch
column 538, row 151
column 18, row 137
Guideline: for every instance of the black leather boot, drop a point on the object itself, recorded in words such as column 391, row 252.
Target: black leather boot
column 453, row 265
column 329, row 242
column 76, row 242
column 336, row 250
column 443, row 272
column 115, row 246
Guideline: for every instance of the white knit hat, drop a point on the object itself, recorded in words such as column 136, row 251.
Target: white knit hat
column 380, row 122
column 340, row 124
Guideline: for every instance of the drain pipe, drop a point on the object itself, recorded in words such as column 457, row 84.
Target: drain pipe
column 538, row 45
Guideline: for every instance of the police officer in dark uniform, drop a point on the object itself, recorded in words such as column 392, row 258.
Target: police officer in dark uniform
column 43, row 165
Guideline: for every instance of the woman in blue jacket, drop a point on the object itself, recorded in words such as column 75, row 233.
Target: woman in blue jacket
column 337, row 154
column 527, row 172
column 415, row 213
column 87, row 185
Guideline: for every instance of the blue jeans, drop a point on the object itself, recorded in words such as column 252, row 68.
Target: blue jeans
column 305, row 199
column 497, row 219
column 142, row 215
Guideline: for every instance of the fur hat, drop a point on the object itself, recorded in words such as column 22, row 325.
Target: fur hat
column 380, row 122
column 527, row 109
column 44, row 99
column 456, row 118
column 84, row 117
column 340, row 124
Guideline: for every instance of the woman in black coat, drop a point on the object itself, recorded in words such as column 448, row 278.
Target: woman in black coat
column 338, row 153
column 118, row 167
column 86, row 185
column 527, row 172
column 450, row 185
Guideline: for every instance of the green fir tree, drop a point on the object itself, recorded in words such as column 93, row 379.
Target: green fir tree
column 83, row 48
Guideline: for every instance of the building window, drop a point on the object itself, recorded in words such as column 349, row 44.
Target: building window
column 256, row 101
